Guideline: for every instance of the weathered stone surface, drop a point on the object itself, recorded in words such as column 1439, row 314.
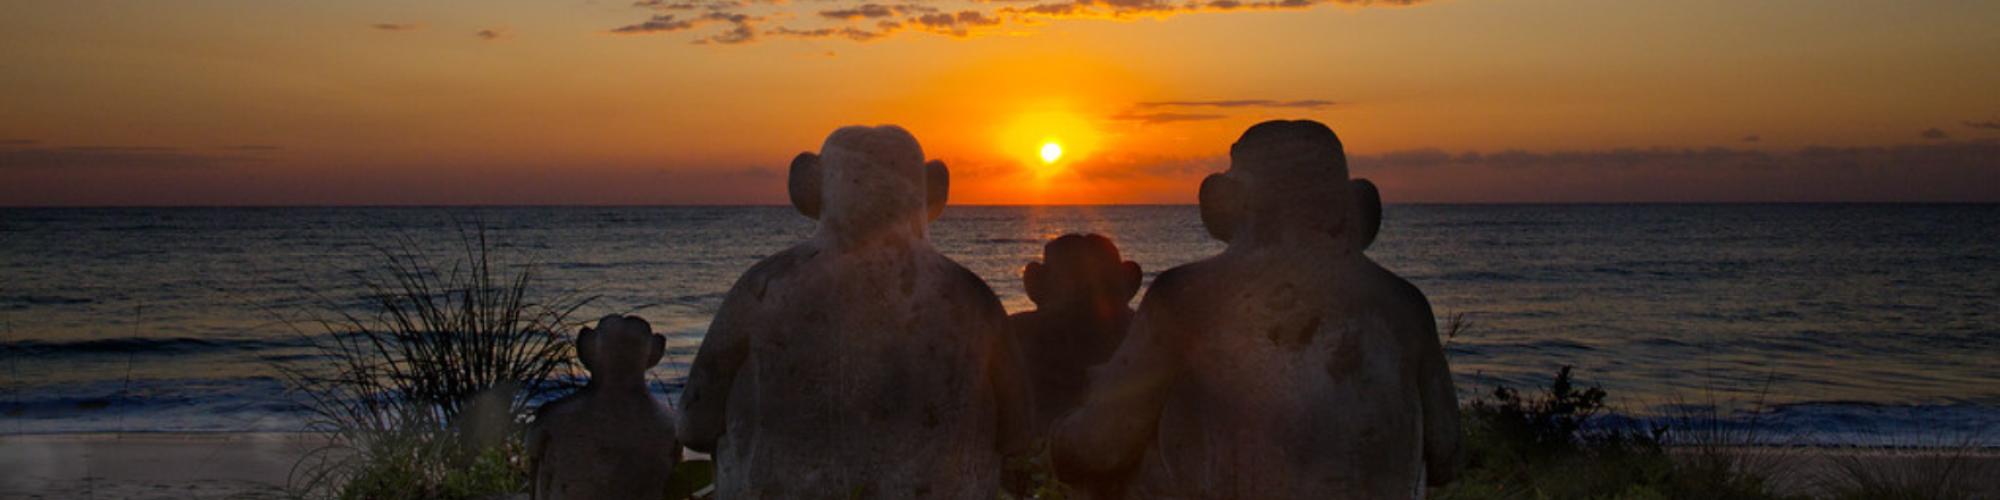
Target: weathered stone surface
column 610, row 440
column 1289, row 366
column 1080, row 290
column 860, row 363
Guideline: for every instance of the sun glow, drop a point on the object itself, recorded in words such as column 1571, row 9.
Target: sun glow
column 1048, row 143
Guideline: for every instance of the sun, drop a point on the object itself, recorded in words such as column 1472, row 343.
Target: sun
column 1050, row 141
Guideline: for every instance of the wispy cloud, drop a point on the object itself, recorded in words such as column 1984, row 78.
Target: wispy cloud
column 660, row 23
column 1988, row 125
column 1158, row 118
column 396, row 27
column 500, row 33
column 742, row 26
column 19, row 142
column 1934, row 133
column 1242, row 103
column 874, row 20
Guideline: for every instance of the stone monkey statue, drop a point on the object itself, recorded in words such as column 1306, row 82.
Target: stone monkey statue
column 1081, row 290
column 1290, row 366
column 610, row 440
column 860, row 363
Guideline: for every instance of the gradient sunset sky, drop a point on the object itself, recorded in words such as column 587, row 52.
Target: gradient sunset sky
column 371, row 102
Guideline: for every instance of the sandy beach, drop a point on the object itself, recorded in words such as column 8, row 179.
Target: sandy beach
column 255, row 466
column 149, row 466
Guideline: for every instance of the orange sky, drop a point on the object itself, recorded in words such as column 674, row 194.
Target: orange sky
column 223, row 102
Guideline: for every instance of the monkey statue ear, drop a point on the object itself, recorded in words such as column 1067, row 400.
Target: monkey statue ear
column 804, row 184
column 1035, row 278
column 937, row 187
column 659, row 350
column 586, row 349
column 1222, row 206
column 1367, row 211
column 1132, row 276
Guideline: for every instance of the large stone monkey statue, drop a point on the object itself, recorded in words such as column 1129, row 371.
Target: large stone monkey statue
column 860, row 363
column 1288, row 367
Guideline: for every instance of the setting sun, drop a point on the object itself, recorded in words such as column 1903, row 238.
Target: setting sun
column 1047, row 143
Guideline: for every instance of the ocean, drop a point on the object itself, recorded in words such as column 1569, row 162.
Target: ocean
column 1845, row 324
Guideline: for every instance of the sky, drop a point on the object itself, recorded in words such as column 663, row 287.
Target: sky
column 615, row 102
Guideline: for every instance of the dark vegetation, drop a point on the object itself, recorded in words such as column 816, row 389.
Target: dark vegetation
column 422, row 386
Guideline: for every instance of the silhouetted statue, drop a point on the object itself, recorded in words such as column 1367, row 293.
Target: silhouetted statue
column 1289, row 366
column 1080, row 292
column 860, row 363
column 610, row 440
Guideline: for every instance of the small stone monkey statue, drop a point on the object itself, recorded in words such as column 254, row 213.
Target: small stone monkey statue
column 610, row 440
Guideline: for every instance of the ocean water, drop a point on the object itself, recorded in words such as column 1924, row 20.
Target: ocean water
column 1817, row 323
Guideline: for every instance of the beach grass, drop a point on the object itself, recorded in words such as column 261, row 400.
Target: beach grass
column 1545, row 445
column 423, row 386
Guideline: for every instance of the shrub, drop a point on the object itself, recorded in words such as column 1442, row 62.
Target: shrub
column 1548, row 446
column 423, row 387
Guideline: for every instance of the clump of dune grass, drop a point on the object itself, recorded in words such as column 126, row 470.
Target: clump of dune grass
column 1731, row 445
column 1551, row 444
column 423, row 384
column 1934, row 469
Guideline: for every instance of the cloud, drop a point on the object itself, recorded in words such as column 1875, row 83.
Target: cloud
column 500, row 33
column 394, row 27
column 1158, row 118
column 1752, row 138
column 741, row 28
column 873, row 20
column 1934, row 133
column 850, row 33
column 876, row 11
column 113, row 157
column 1245, row 103
column 740, row 33
column 250, row 147
column 687, row 5
column 1944, row 171
column 660, row 23
column 1989, row 125
column 959, row 24
column 19, row 142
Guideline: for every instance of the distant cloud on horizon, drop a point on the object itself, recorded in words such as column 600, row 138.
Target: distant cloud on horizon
column 867, row 21
column 119, row 157
column 396, row 27
column 1940, row 171
column 1934, row 133
column 1988, row 125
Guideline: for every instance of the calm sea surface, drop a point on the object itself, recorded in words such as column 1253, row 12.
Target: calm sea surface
column 1848, row 323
